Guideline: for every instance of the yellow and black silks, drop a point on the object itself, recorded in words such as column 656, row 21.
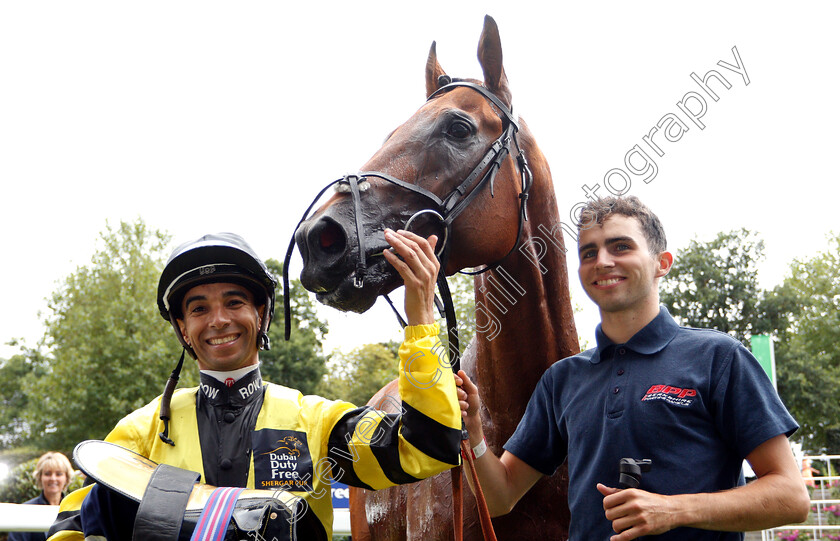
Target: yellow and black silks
column 301, row 443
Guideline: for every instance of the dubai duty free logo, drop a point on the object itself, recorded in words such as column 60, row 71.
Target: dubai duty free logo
column 282, row 460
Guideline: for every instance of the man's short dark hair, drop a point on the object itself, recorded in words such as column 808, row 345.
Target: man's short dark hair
column 598, row 210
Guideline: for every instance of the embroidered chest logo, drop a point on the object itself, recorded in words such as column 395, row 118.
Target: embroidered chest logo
column 289, row 445
column 281, row 460
column 670, row 394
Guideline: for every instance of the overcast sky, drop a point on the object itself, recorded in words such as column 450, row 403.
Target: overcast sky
column 217, row 116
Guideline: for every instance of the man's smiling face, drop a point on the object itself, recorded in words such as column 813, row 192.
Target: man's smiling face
column 221, row 323
column 617, row 270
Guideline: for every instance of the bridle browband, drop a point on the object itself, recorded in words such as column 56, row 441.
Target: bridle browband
column 447, row 209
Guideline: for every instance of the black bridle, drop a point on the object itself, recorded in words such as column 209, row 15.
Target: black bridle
column 446, row 209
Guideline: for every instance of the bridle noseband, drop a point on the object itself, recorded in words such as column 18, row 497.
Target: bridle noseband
column 446, row 209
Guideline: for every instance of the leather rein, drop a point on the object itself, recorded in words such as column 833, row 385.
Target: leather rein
column 447, row 210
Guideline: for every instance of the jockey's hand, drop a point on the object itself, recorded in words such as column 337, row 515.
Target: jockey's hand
column 418, row 266
column 470, row 402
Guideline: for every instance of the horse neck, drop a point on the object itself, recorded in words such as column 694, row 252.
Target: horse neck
column 524, row 308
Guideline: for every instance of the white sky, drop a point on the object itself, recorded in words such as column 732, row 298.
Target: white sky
column 219, row 116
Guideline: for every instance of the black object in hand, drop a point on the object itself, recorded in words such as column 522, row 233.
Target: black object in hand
column 630, row 471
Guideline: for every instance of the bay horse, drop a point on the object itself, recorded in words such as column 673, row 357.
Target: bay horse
column 524, row 315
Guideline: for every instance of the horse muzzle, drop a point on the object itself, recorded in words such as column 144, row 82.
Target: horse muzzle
column 330, row 250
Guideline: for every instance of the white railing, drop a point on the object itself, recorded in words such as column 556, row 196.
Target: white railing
column 823, row 522
column 17, row 517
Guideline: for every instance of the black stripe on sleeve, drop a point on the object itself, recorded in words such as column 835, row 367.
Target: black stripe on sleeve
column 431, row 437
column 386, row 449
column 339, row 451
column 66, row 521
column 382, row 440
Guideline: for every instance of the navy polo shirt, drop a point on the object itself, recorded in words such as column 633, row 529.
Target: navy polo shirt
column 694, row 401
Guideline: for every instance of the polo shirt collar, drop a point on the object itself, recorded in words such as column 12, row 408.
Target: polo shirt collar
column 651, row 339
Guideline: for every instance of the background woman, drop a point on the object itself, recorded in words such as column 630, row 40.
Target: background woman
column 52, row 474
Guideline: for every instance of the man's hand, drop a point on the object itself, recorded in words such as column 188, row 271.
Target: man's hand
column 635, row 512
column 419, row 269
column 470, row 402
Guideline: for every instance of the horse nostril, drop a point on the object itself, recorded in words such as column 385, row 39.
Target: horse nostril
column 330, row 237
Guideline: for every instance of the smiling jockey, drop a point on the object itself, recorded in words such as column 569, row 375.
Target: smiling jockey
column 236, row 430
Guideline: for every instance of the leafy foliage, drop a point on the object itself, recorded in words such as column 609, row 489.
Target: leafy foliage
column 358, row 375
column 110, row 352
column 300, row 362
column 715, row 285
column 808, row 358
column 462, row 289
column 16, row 374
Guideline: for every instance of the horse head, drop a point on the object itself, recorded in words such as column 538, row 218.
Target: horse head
column 444, row 171
column 457, row 169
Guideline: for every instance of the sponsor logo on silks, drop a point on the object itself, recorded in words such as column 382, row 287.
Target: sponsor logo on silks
column 281, row 460
column 670, row 394
column 229, row 382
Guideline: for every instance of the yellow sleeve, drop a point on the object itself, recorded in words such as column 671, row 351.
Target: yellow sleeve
column 68, row 524
column 373, row 449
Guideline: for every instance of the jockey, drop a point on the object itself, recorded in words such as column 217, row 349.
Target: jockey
column 235, row 430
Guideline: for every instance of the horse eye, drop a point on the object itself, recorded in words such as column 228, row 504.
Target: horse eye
column 459, row 130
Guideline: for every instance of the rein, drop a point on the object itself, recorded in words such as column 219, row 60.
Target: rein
column 447, row 210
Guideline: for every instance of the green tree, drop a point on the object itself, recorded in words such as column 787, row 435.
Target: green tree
column 356, row 376
column 109, row 351
column 462, row 290
column 807, row 356
column 299, row 363
column 715, row 285
column 16, row 374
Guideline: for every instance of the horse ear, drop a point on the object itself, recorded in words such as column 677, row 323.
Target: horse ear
column 490, row 58
column 433, row 71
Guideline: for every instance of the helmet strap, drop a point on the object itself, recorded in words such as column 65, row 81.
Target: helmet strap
column 166, row 399
column 263, row 342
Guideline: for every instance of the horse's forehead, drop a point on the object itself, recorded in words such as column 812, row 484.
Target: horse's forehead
column 426, row 120
column 465, row 99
